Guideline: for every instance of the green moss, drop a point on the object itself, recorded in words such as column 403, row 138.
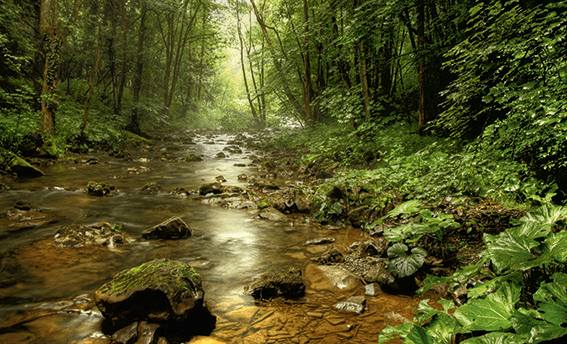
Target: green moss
column 155, row 275
column 264, row 203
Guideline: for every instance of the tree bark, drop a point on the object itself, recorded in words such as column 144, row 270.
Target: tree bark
column 307, row 87
column 421, row 57
column 243, row 65
column 91, row 86
column 134, row 125
column 53, row 39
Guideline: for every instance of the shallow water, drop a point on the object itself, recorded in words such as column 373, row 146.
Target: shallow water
column 51, row 301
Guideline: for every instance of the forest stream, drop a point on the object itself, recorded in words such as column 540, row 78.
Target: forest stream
column 46, row 292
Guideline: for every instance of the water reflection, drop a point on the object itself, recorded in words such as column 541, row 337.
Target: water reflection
column 229, row 248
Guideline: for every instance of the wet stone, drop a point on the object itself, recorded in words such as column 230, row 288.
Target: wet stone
column 288, row 284
column 210, row 188
column 148, row 333
column 272, row 214
column 333, row 256
column 174, row 228
column 96, row 189
column 372, row 289
column 151, row 188
column 138, row 170
column 26, row 206
column 194, row 157
column 101, row 234
column 126, row 334
column 315, row 314
column 180, row 192
column 320, row 241
column 348, row 306
column 158, row 291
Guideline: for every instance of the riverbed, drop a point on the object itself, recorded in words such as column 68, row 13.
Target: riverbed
column 49, row 295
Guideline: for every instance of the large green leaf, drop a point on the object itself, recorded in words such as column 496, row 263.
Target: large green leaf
column 442, row 328
column 497, row 338
column 409, row 207
column 556, row 246
column 491, row 313
column 481, row 289
column 527, row 324
column 533, row 229
column 509, row 249
column 399, row 233
column 390, row 333
column 402, row 264
column 552, row 300
column 418, row 335
column 547, row 214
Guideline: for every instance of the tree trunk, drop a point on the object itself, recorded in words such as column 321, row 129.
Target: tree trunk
column 124, row 67
column 91, row 86
column 53, row 40
column 307, row 88
column 243, row 65
column 287, row 90
column 134, row 125
column 421, row 57
column 365, row 91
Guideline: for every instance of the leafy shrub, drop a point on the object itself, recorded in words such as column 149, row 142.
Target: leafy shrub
column 511, row 85
column 501, row 307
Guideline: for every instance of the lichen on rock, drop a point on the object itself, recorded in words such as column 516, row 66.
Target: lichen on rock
column 158, row 291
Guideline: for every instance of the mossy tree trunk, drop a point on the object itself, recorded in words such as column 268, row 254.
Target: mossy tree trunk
column 53, row 39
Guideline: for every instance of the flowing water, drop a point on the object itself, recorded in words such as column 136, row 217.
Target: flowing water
column 49, row 297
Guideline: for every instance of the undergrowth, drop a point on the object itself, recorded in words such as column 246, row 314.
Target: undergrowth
column 516, row 293
column 398, row 160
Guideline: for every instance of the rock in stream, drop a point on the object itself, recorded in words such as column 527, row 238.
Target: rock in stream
column 161, row 295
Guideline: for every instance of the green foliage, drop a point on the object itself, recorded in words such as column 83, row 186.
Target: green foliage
column 500, row 309
column 511, row 83
column 17, row 116
column 401, row 263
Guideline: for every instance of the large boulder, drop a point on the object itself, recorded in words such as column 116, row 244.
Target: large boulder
column 288, row 284
column 158, row 291
column 17, row 165
column 174, row 228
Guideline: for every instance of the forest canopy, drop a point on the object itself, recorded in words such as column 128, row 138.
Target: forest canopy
column 76, row 73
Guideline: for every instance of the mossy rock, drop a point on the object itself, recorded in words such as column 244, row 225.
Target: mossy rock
column 194, row 157
column 133, row 139
column 287, row 283
column 18, row 165
column 161, row 290
column 264, row 203
column 151, row 188
column 231, row 189
column 96, row 189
